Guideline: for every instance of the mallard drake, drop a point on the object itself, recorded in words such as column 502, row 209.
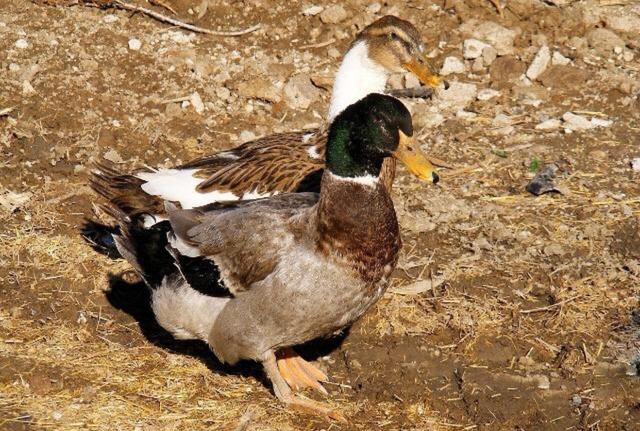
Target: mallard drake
column 297, row 266
column 283, row 162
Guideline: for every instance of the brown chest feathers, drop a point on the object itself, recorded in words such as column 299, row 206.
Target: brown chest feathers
column 358, row 222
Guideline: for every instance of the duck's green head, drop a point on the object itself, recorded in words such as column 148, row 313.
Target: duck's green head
column 371, row 129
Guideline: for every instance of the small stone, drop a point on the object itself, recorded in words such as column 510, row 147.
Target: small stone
column 223, row 93
column 395, row 81
column 246, row 136
column 333, row 14
column 550, row 124
column 627, row 55
column 27, row 88
column 600, row 122
column 56, row 415
column 300, row 92
column 489, row 54
column 14, row 67
column 472, row 48
column 576, row 400
column 260, row 88
column 539, row 63
column 134, row 44
column 635, row 164
column 559, row 60
column 554, row 250
column 334, row 53
column 374, row 8
column 543, row 182
column 458, row 95
column 604, row 40
column 411, row 81
column 543, row 382
column 110, row 18
column 488, row 94
column 623, row 22
column 112, row 156
column 312, row 10
column 576, row 122
column 21, row 44
column 452, row 65
column 81, row 319
column 478, row 65
column 196, row 102
column 501, row 38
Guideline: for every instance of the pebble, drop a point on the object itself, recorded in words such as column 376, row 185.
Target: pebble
column 312, row 10
column 458, row 95
column 14, row 67
column 374, row 8
column 624, row 23
column 246, row 136
column 501, row 38
column 559, row 60
column 576, row 122
column 299, row 92
column 488, row 94
column 196, row 102
column 576, row 400
column 333, row 14
column 472, row 48
column 411, row 81
column 134, row 44
column 604, row 40
column 22, row 44
column 489, row 54
column 110, row 18
column 635, row 164
column 260, row 88
column 550, row 124
column 452, row 65
column 478, row 65
column 539, row 64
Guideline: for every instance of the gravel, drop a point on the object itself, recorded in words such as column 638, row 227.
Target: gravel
column 452, row 65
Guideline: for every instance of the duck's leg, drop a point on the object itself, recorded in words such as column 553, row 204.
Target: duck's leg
column 284, row 393
column 298, row 373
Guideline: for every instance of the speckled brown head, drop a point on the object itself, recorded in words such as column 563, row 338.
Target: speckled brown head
column 397, row 45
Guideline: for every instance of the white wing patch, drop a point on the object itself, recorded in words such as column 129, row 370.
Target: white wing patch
column 179, row 185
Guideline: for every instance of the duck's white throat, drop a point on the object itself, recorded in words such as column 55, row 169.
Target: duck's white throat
column 357, row 76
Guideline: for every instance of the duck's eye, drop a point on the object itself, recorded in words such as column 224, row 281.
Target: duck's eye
column 393, row 36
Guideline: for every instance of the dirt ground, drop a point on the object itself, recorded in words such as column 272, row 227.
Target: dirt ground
column 508, row 311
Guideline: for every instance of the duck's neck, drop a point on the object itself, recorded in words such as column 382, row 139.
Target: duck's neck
column 357, row 223
column 357, row 76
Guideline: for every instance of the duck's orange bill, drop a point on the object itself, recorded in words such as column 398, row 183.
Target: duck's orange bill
column 410, row 154
column 422, row 69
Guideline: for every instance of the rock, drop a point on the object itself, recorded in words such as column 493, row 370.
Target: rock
column 635, row 164
column 564, row 77
column 601, row 122
column 11, row 201
column 604, row 41
column 260, row 88
column 550, row 124
column 312, row 10
column 501, row 38
column 554, row 250
column 489, row 55
column 110, row 18
column 488, row 94
column 457, row 96
column 543, row 181
column 223, row 93
column 246, row 136
column 374, row 8
column 395, row 81
column 539, row 63
column 576, row 400
column 411, row 81
column 576, row 122
column 577, row 43
column 21, row 44
column 134, row 44
column 505, row 70
column 14, row 67
column 558, row 59
column 623, row 23
column 300, row 92
column 113, row 156
column 196, row 102
column 472, row 48
column 452, row 65
column 333, row 14
column 478, row 65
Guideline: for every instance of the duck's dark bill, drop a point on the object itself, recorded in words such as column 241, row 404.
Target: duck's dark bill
column 410, row 154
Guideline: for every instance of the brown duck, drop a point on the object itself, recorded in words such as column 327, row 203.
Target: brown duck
column 283, row 162
column 296, row 266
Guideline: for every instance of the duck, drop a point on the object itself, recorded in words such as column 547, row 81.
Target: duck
column 283, row 162
column 295, row 266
